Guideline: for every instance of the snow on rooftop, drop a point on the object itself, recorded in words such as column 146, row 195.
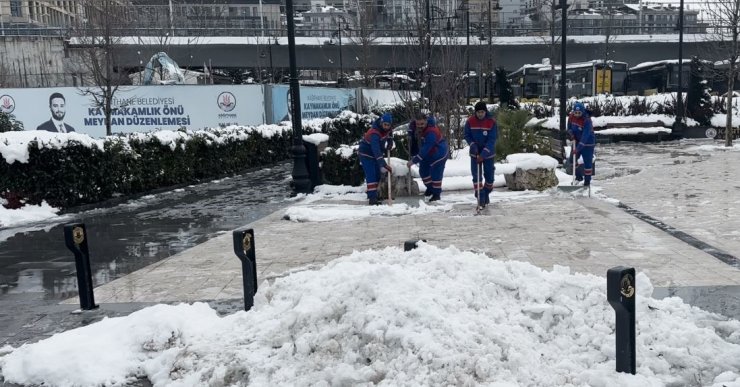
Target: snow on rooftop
column 319, row 41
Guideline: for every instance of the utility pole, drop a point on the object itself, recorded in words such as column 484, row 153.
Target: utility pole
column 341, row 66
column 552, row 55
column 262, row 20
column 467, row 40
column 489, row 81
column 563, row 62
column 429, row 53
column 172, row 19
column 272, row 68
column 607, row 36
column 678, row 126
column 301, row 183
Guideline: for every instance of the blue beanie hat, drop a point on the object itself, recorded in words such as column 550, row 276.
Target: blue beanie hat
column 386, row 117
column 579, row 107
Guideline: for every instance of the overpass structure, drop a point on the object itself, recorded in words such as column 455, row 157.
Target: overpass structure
column 400, row 54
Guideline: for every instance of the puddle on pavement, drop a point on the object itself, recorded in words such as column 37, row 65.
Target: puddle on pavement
column 130, row 236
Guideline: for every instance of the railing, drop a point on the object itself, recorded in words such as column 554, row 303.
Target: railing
column 411, row 34
column 30, row 30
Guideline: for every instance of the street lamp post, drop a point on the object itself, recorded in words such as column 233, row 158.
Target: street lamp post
column 467, row 42
column 272, row 68
column 300, row 183
column 489, row 80
column 678, row 125
column 341, row 65
column 563, row 62
column 429, row 53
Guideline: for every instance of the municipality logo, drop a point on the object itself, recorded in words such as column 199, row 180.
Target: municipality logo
column 226, row 101
column 7, row 104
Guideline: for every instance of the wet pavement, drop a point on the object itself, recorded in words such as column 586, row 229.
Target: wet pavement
column 37, row 270
column 689, row 191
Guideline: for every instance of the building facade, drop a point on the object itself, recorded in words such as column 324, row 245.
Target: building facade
column 32, row 17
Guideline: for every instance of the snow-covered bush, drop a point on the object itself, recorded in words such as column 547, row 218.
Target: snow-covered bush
column 515, row 136
column 72, row 169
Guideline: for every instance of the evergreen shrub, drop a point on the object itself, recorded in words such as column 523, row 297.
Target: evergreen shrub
column 76, row 174
column 514, row 136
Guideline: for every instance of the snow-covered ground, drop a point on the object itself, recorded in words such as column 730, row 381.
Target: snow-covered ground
column 457, row 186
column 431, row 316
column 426, row 317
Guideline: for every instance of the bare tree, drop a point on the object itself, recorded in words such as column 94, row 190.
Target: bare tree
column 98, row 33
column 416, row 47
column 363, row 38
column 547, row 21
column 449, row 89
column 724, row 34
column 5, row 73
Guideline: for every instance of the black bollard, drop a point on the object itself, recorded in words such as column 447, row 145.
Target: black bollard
column 244, row 249
column 75, row 237
column 620, row 291
column 410, row 245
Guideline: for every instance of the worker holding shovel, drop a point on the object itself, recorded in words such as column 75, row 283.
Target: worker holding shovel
column 581, row 130
column 372, row 146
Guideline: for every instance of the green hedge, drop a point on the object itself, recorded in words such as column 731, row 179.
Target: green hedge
column 78, row 174
column 514, row 136
column 345, row 131
column 340, row 170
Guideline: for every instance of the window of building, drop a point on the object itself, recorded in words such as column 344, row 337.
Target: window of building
column 15, row 8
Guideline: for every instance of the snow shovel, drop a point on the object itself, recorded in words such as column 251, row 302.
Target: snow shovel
column 572, row 187
column 409, row 178
column 390, row 177
column 478, row 205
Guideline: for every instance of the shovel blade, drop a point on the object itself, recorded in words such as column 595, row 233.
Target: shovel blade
column 569, row 188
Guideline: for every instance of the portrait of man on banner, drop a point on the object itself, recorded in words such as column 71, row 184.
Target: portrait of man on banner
column 58, row 109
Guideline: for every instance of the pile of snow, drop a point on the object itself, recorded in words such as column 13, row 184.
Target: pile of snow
column 426, row 317
column 316, row 138
column 713, row 148
column 720, row 121
column 26, row 214
column 334, row 212
column 626, row 131
column 527, row 161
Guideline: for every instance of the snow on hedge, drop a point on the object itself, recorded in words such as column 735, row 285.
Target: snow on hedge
column 603, row 121
column 625, row 131
column 14, row 145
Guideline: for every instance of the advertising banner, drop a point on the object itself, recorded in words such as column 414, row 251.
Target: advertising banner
column 137, row 108
column 316, row 102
